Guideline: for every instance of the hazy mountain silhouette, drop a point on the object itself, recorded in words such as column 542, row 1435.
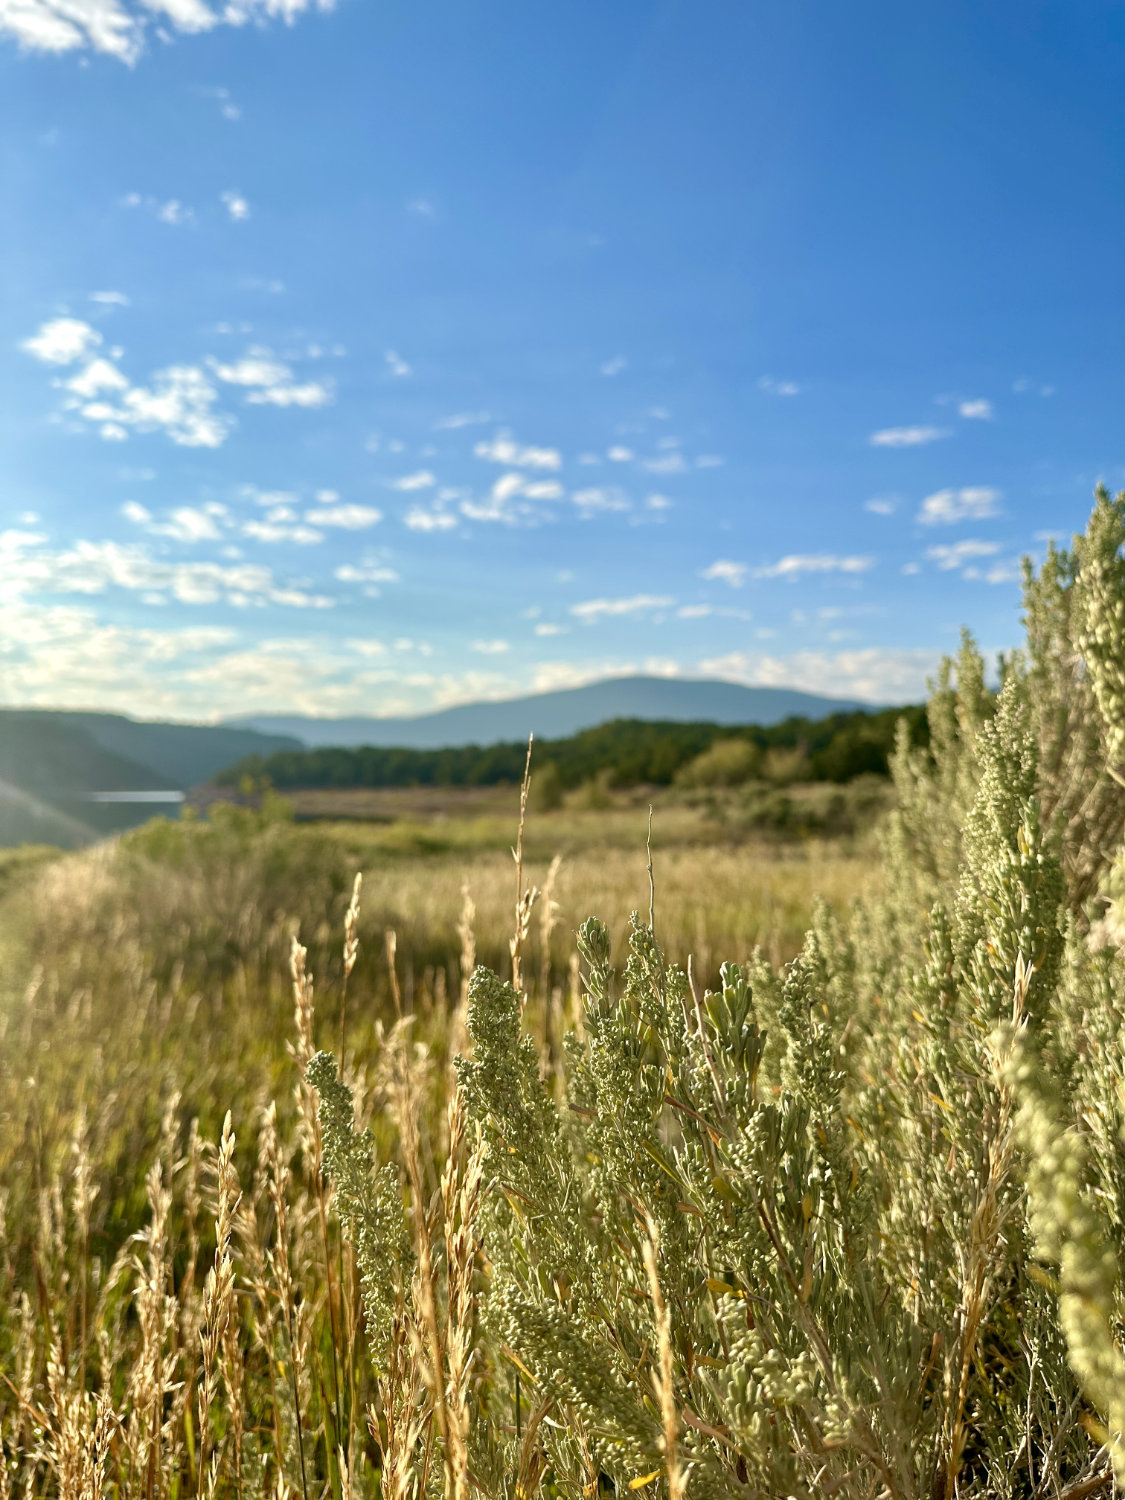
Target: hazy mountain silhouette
column 557, row 714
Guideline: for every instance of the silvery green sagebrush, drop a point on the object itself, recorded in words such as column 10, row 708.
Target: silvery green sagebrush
column 846, row 1227
column 887, row 1245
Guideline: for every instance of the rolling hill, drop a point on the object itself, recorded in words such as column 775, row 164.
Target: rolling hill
column 53, row 765
column 558, row 714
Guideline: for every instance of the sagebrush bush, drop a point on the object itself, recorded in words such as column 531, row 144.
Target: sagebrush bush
column 845, row 1227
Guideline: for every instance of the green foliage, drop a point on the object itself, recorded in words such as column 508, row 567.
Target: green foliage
column 849, row 1227
column 630, row 752
column 857, row 1174
column 727, row 762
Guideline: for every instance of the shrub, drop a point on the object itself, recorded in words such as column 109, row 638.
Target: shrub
column 849, row 1228
column 726, row 763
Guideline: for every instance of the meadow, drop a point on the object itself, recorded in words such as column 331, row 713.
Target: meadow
column 626, row 1165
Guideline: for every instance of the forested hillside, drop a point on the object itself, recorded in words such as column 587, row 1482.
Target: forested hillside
column 629, row 751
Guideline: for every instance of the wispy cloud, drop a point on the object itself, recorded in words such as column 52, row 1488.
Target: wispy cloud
column 421, row 480
column 504, row 449
column 270, row 381
column 978, row 410
column 906, row 437
column 615, row 365
column 665, row 463
column 422, row 207
column 592, row 610
column 489, row 648
column 881, row 505
column 462, row 419
column 796, row 564
column 953, row 555
column 95, row 567
column 774, row 387
column 975, row 503
column 168, row 211
column 179, row 400
column 872, row 674
column 110, row 299
column 185, row 523
column 397, row 365
column 725, row 571
column 344, row 517
column 600, row 498
column 419, row 519
column 236, row 206
column 119, row 28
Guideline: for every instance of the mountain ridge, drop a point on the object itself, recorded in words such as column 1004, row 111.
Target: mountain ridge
column 558, row 713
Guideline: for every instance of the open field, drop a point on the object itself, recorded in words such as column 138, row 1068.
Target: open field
column 299, row 1197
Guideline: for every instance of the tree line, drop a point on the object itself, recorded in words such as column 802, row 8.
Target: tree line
column 623, row 752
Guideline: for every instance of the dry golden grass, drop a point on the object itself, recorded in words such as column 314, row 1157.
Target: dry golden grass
column 178, row 1312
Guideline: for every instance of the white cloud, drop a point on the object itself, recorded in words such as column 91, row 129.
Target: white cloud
column 269, row 381
column 976, row 503
column 709, row 461
column 419, row 519
column 604, row 498
column 503, row 503
column 614, row 366
column 98, row 376
column 397, row 365
column 173, row 212
column 490, row 648
column 774, row 387
column 227, row 107
column 422, row 207
column 62, row 341
column 119, row 28
column 592, row 610
column 312, row 393
column 179, row 403
column 620, row 455
column 956, row 554
column 422, row 480
column 366, row 572
column 110, row 299
column 819, row 562
column 275, row 529
column 667, row 463
column 505, row 450
column 979, row 410
column 462, row 419
column 29, row 568
column 346, row 517
column 873, row 674
column 236, row 205
column 733, row 573
column 545, row 627
column 185, row 523
column 906, row 437
column 658, row 502
column 881, row 505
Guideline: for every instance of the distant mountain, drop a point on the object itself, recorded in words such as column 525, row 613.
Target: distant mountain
column 556, row 715
column 53, row 765
column 81, row 749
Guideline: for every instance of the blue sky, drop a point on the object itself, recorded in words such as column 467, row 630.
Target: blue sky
column 374, row 356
